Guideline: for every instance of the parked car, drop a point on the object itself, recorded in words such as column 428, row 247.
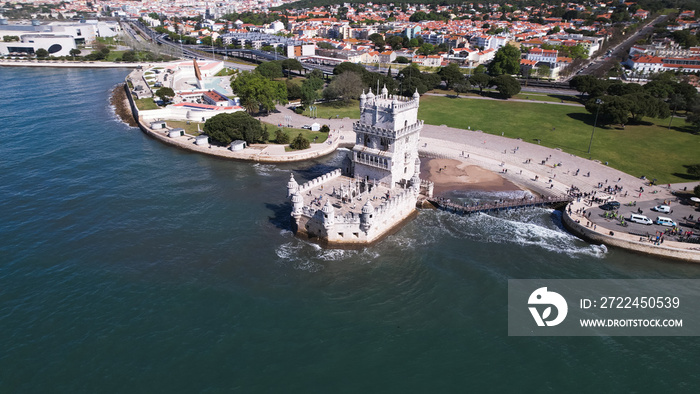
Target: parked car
column 610, row 206
column 664, row 221
column 641, row 219
column 662, row 209
column 306, row 126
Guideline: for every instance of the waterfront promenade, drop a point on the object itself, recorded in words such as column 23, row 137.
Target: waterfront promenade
column 543, row 170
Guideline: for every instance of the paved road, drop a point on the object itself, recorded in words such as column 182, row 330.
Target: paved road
column 620, row 51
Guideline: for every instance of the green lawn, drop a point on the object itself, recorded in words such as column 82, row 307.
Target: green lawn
column 330, row 110
column 554, row 98
column 293, row 132
column 653, row 150
column 112, row 55
column 146, row 104
column 190, row 128
column 225, row 72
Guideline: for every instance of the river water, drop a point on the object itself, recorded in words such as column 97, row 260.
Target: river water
column 130, row 266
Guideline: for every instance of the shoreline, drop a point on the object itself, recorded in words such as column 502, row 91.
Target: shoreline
column 260, row 153
column 450, row 175
column 68, row 64
column 478, row 170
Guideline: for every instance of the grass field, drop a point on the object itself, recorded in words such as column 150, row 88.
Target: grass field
column 146, row 104
column 339, row 108
column 293, row 132
column 650, row 150
column 534, row 96
column 190, row 128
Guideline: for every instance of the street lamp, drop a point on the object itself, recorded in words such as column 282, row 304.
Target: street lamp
column 599, row 102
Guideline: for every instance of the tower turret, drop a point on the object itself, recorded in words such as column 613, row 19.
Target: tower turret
column 385, row 92
column 370, row 95
column 366, row 217
column 416, row 96
column 363, row 99
column 328, row 214
column 292, row 185
column 415, row 179
column 297, row 205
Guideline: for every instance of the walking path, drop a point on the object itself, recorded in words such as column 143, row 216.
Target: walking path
column 540, row 169
column 545, row 171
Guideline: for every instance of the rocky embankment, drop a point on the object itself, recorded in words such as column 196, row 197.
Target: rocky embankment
column 121, row 106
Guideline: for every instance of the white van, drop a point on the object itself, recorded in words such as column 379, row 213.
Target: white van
column 662, row 209
column 664, row 221
column 640, row 219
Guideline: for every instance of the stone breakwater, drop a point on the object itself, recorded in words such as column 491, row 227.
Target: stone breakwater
column 121, row 106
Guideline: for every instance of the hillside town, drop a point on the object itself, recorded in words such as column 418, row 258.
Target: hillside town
column 554, row 40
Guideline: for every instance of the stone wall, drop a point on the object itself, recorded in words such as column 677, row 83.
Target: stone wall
column 620, row 240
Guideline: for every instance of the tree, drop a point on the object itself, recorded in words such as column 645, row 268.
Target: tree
column 616, row 109
column 257, row 92
column 426, row 49
column 643, row 104
column 129, row 56
column 308, row 94
column 413, row 80
column 314, row 81
column 165, row 94
column 618, row 88
column 325, row 129
column 588, row 84
column 544, row 71
column 481, row 80
column 41, row 52
column 74, row 52
column 270, row 70
column 377, row 39
column 506, row 61
column 318, row 74
column 694, row 170
column 696, row 190
column 291, row 64
column 293, row 90
column 347, row 66
column 396, row 42
column 224, row 128
column 402, row 60
column 300, row 143
column 659, row 89
column 507, row 86
column 452, row 75
column 347, row 86
column 281, row 137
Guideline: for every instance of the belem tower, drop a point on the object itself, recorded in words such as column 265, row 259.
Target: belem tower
column 377, row 187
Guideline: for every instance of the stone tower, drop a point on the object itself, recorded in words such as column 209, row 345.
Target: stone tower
column 386, row 145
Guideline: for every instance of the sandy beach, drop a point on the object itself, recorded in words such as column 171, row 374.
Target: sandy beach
column 450, row 174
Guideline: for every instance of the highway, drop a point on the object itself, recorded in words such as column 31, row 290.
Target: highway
column 620, row 51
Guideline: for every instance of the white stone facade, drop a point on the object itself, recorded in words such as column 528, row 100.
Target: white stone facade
column 382, row 182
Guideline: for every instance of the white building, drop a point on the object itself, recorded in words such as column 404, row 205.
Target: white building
column 377, row 189
column 28, row 44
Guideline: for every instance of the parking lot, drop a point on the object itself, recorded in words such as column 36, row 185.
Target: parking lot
column 680, row 214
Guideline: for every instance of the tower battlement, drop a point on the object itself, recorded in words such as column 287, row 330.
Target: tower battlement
column 382, row 187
